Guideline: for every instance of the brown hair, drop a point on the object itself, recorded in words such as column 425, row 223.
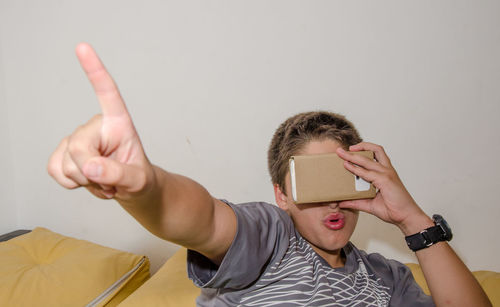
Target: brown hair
column 298, row 130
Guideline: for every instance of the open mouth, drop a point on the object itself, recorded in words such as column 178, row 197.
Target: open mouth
column 334, row 221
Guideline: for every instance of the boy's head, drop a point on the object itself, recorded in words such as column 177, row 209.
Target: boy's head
column 299, row 130
column 326, row 226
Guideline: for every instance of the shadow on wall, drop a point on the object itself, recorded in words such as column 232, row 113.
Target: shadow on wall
column 157, row 250
column 371, row 228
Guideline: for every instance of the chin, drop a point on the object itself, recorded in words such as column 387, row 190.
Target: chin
column 337, row 245
column 330, row 244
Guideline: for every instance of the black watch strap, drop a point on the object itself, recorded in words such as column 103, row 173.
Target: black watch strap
column 425, row 238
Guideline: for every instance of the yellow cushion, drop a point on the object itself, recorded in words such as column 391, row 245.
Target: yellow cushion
column 43, row 268
column 170, row 286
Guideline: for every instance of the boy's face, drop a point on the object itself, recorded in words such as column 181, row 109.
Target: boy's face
column 327, row 227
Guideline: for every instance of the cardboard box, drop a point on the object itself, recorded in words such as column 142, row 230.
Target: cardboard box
column 323, row 178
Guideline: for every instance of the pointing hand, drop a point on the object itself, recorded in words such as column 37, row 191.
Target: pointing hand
column 105, row 155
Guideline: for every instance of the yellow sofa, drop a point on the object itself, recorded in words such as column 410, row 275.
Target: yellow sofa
column 43, row 268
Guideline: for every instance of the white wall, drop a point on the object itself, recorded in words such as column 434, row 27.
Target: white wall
column 8, row 216
column 207, row 82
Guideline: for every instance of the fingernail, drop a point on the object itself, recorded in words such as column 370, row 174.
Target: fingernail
column 108, row 194
column 341, row 150
column 94, row 170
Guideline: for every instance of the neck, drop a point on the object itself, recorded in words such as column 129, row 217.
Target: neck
column 336, row 258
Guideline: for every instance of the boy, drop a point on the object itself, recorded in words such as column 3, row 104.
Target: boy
column 258, row 254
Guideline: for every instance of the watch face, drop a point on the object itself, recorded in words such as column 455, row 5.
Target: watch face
column 441, row 222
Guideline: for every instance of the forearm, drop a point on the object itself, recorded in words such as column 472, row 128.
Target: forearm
column 172, row 207
column 449, row 280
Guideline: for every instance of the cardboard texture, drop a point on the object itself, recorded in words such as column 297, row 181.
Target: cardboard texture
column 322, row 178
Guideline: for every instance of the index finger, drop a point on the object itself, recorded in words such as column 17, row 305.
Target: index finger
column 378, row 150
column 105, row 88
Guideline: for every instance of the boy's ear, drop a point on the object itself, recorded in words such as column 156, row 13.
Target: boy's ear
column 281, row 198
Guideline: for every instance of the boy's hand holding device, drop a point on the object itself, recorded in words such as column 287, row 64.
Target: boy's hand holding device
column 392, row 203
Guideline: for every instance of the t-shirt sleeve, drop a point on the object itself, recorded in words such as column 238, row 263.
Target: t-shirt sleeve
column 263, row 233
column 405, row 290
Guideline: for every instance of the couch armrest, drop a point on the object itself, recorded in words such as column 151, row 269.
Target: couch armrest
column 13, row 234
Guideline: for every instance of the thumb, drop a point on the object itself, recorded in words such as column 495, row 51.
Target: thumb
column 109, row 172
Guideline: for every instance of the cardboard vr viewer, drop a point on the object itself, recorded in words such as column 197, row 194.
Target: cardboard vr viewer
column 322, row 178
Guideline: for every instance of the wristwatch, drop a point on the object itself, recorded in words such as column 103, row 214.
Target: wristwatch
column 427, row 237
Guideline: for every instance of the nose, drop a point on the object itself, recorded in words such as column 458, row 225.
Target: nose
column 333, row 205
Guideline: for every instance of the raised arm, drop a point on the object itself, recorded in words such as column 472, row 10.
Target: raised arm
column 449, row 280
column 106, row 156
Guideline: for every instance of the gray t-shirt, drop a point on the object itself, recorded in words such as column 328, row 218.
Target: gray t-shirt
column 270, row 264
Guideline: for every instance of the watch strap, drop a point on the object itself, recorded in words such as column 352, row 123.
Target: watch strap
column 425, row 238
